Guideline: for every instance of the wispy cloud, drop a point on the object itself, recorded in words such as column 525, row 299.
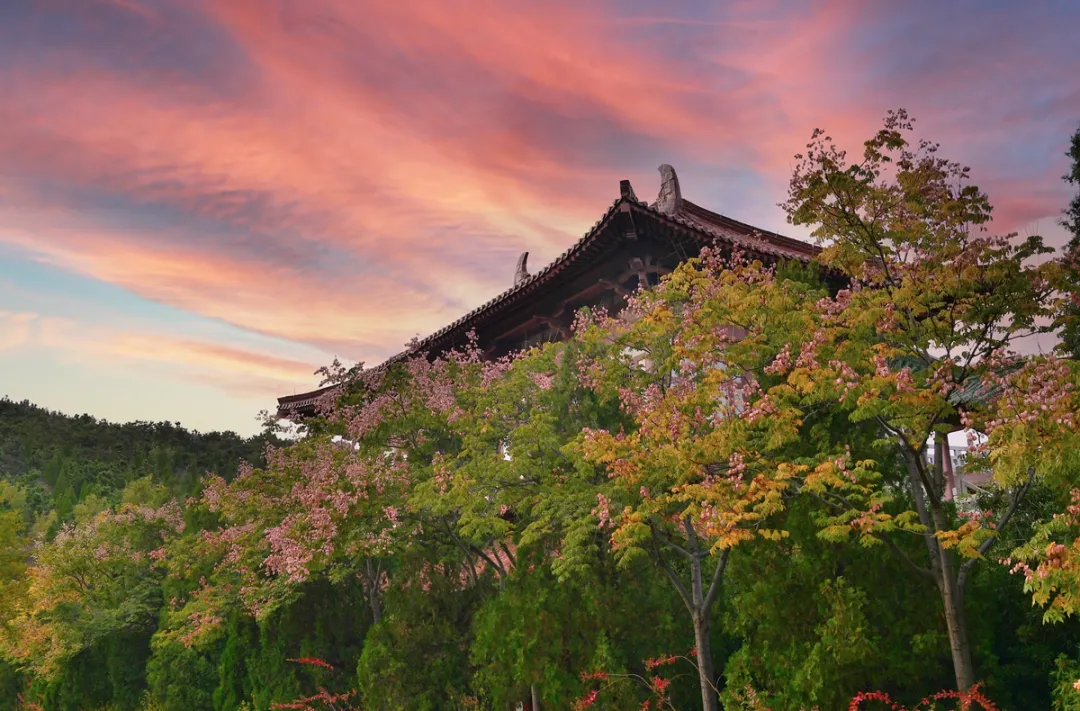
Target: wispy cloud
column 346, row 175
column 91, row 345
column 14, row 329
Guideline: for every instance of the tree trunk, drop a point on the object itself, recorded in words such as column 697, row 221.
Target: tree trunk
column 945, row 573
column 535, row 697
column 703, row 647
column 945, row 455
column 700, row 615
column 950, row 477
column 699, row 602
column 952, row 599
column 374, row 577
column 376, row 607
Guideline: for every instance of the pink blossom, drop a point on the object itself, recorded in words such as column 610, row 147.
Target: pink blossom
column 782, row 363
column 543, row 380
column 602, row 511
column 904, row 381
column 881, row 366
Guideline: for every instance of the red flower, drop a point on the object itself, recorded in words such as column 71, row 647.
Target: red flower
column 311, row 661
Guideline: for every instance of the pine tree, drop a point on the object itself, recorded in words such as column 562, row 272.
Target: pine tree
column 61, row 482
column 52, row 469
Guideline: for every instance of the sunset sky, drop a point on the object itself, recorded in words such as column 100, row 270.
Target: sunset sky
column 202, row 201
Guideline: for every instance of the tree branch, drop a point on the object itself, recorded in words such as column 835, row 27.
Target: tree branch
column 464, row 549
column 896, row 549
column 492, row 561
column 662, row 564
column 718, row 575
column 883, row 537
column 509, row 555
column 906, row 448
column 669, row 543
column 691, row 535
column 1018, row 497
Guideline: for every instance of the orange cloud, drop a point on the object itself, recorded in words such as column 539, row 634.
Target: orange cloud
column 358, row 173
column 434, row 208
column 262, row 296
column 210, row 356
column 230, row 368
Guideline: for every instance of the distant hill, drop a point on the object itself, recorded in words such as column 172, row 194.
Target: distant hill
column 40, row 446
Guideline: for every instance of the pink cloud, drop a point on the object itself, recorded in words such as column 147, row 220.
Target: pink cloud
column 14, row 329
column 232, row 369
column 268, row 298
column 380, row 165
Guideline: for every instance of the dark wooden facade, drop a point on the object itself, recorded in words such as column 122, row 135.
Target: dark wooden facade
column 634, row 243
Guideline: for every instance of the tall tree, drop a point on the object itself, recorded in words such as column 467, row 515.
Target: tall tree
column 688, row 480
column 919, row 346
column 341, row 502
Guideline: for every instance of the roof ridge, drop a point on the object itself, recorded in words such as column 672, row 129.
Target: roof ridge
column 532, row 279
column 687, row 216
column 706, row 213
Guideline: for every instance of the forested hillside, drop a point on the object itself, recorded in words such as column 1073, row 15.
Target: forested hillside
column 57, row 469
column 62, row 460
column 34, row 438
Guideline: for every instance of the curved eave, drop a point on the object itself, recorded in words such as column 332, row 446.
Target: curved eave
column 302, row 403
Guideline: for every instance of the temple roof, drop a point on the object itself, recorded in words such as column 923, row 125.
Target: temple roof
column 670, row 211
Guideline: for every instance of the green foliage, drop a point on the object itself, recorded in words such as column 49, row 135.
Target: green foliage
column 11, row 684
column 427, row 617
column 460, row 533
column 94, row 636
column 1066, row 673
column 62, row 451
column 144, row 492
column 180, row 678
column 854, row 630
column 89, row 507
column 541, row 633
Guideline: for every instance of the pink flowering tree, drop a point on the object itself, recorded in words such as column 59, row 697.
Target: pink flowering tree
column 457, row 494
column 366, row 483
column 747, row 385
column 918, row 343
column 93, row 580
column 512, row 481
column 517, row 480
column 436, row 416
column 691, row 475
column 328, row 505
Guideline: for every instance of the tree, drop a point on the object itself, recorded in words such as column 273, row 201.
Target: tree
column 691, row 479
column 89, row 507
column 14, row 550
column 919, row 346
column 428, row 615
column 93, row 595
column 339, row 503
column 1054, row 550
column 144, row 492
column 853, row 628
